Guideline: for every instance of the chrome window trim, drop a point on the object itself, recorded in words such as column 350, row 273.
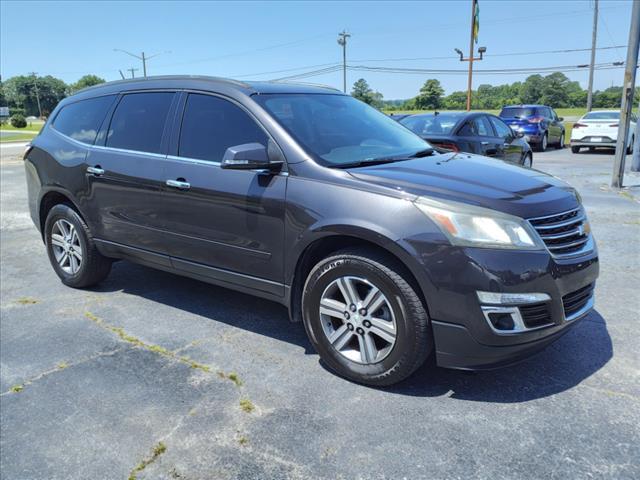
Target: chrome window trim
column 130, row 152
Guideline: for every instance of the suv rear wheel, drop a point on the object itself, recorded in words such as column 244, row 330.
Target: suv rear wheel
column 72, row 251
column 364, row 319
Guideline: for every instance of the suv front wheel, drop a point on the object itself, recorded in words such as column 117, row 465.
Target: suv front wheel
column 364, row 319
column 72, row 251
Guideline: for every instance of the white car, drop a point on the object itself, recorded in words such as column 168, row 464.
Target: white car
column 600, row 129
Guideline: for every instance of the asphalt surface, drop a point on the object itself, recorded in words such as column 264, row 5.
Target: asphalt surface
column 92, row 381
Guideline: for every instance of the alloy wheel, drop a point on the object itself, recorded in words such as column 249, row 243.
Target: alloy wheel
column 66, row 246
column 358, row 320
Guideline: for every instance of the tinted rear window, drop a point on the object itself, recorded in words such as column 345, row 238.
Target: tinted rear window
column 602, row 116
column 211, row 125
column 518, row 112
column 441, row 124
column 138, row 122
column 81, row 120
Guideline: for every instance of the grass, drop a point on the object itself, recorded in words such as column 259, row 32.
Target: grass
column 562, row 112
column 18, row 137
column 247, row 405
column 31, row 127
column 16, row 388
column 26, row 301
column 158, row 450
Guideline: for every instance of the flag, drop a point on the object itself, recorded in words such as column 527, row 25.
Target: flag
column 476, row 20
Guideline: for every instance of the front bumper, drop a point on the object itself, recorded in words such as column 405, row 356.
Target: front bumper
column 463, row 336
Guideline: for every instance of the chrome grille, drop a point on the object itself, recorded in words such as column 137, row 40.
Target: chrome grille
column 564, row 234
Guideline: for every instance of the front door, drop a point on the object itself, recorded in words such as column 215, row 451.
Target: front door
column 125, row 172
column 228, row 224
column 511, row 150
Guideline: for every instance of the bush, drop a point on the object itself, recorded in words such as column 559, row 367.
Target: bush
column 18, row 121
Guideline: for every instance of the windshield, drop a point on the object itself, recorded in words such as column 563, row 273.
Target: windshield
column 340, row 130
column 602, row 116
column 517, row 112
column 440, row 124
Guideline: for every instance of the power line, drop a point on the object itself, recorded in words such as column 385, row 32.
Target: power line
column 440, row 71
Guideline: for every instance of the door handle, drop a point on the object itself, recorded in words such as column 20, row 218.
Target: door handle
column 484, row 143
column 95, row 170
column 179, row 184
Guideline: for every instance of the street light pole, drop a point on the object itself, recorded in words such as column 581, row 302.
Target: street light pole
column 594, row 36
column 470, row 59
column 628, row 87
column 342, row 40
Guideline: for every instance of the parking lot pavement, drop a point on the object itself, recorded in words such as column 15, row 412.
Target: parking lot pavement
column 167, row 377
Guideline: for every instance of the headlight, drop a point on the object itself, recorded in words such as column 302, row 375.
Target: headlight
column 468, row 225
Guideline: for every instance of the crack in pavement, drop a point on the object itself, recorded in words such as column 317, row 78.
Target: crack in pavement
column 58, row 368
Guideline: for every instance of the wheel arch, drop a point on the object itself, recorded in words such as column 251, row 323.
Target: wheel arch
column 329, row 242
column 49, row 199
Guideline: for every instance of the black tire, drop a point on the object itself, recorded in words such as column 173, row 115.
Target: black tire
column 544, row 143
column 560, row 144
column 527, row 160
column 94, row 267
column 413, row 341
column 575, row 149
column 630, row 146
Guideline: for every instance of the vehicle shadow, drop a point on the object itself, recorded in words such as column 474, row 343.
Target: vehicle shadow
column 574, row 357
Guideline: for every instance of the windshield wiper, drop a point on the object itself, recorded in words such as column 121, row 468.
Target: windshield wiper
column 381, row 160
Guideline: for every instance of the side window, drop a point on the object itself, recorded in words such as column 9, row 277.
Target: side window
column 138, row 122
column 81, row 120
column 468, row 129
column 210, row 125
column 483, row 127
column 501, row 128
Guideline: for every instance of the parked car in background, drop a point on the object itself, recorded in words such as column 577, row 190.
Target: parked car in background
column 479, row 133
column 399, row 116
column 540, row 124
column 600, row 129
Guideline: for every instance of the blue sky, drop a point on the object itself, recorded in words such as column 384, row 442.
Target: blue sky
column 247, row 39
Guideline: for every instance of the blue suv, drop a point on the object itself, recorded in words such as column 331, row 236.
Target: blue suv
column 540, row 124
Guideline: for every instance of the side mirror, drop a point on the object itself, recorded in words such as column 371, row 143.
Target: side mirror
column 519, row 134
column 248, row 156
column 561, row 119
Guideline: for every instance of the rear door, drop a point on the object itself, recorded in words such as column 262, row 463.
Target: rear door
column 227, row 224
column 126, row 171
column 555, row 126
column 511, row 150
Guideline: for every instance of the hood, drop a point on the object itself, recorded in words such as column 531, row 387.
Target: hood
column 476, row 180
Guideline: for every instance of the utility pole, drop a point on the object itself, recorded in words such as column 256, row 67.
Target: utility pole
column 628, row 86
column 132, row 70
column 342, row 40
column 35, row 86
column 121, row 74
column 594, row 36
column 142, row 57
column 475, row 25
column 635, row 160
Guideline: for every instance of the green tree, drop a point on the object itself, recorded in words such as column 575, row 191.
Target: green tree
column 430, row 96
column 84, row 82
column 20, row 92
column 532, row 89
column 555, row 90
column 455, row 101
column 362, row 91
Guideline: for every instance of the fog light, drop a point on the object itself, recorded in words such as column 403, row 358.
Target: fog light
column 492, row 298
column 501, row 321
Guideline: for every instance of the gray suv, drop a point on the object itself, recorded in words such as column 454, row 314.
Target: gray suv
column 386, row 250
